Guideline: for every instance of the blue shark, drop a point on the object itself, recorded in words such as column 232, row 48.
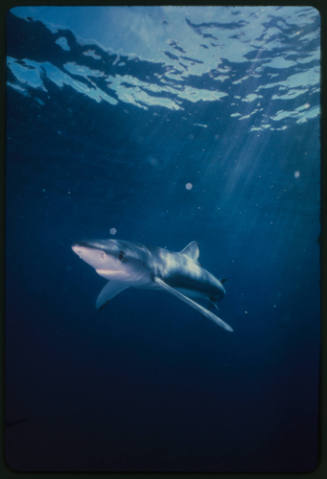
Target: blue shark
column 125, row 264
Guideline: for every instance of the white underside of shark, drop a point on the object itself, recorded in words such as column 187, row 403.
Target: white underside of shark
column 125, row 264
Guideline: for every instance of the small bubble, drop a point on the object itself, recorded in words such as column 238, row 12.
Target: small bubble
column 246, row 311
column 297, row 174
column 188, row 186
column 113, row 231
column 153, row 161
column 44, row 190
column 274, row 306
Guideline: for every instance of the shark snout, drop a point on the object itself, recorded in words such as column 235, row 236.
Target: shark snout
column 78, row 249
column 84, row 251
column 75, row 248
column 95, row 255
column 82, row 247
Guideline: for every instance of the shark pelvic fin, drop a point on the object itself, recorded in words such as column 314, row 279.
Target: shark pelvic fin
column 192, row 250
column 111, row 289
column 193, row 304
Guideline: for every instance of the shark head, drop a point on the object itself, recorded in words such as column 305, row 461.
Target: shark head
column 115, row 259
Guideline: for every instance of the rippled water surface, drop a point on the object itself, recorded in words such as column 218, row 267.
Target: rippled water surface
column 162, row 125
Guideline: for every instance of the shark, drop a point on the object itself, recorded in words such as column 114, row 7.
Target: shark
column 125, row 264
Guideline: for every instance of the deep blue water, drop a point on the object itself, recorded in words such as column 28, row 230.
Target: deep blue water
column 110, row 113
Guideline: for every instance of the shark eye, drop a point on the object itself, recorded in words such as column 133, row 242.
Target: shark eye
column 121, row 255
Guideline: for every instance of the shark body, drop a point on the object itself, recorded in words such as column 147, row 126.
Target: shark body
column 125, row 264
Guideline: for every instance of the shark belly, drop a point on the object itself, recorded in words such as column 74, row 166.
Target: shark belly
column 202, row 286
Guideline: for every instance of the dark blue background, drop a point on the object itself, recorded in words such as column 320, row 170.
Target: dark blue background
column 148, row 383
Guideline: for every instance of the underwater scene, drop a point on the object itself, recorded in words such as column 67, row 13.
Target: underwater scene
column 162, row 239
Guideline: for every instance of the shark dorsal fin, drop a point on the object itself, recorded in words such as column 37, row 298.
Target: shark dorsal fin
column 192, row 250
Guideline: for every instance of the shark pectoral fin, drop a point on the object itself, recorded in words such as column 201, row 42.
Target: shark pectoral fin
column 207, row 303
column 111, row 289
column 193, row 304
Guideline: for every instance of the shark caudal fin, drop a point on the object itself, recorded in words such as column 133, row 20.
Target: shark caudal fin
column 192, row 250
column 205, row 312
